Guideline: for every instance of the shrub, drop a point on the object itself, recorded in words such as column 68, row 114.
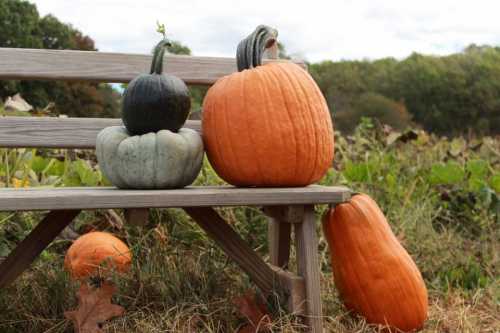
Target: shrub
column 377, row 107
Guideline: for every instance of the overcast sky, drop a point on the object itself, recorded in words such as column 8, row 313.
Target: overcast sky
column 313, row 29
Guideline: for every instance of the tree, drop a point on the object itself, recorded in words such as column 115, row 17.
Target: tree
column 177, row 48
column 453, row 94
column 21, row 26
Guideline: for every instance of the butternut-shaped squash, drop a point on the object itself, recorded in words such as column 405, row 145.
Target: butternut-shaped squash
column 373, row 273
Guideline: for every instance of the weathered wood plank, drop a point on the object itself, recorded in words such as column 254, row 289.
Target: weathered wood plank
column 306, row 242
column 235, row 248
column 48, row 132
column 279, row 242
column 294, row 287
column 286, row 214
column 32, row 64
column 111, row 197
column 29, row 249
column 137, row 216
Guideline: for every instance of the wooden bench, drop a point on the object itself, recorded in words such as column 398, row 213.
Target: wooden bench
column 287, row 208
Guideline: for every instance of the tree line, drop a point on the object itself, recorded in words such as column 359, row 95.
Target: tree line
column 452, row 95
column 22, row 26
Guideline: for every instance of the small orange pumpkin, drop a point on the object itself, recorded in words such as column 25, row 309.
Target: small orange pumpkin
column 93, row 249
column 267, row 125
column 373, row 273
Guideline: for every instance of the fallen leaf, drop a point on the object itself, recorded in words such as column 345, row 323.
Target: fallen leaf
column 255, row 312
column 94, row 308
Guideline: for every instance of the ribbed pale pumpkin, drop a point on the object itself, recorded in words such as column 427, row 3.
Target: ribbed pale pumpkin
column 267, row 125
column 373, row 273
column 151, row 161
column 93, row 249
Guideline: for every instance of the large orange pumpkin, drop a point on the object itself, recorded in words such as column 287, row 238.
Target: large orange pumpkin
column 267, row 125
column 373, row 273
column 94, row 249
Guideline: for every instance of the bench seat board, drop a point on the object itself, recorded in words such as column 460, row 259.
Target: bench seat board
column 192, row 196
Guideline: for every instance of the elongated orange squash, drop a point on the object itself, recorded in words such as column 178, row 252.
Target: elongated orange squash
column 373, row 273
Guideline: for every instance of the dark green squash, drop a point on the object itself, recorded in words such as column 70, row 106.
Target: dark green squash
column 155, row 101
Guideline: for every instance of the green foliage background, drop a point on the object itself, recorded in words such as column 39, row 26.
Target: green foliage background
column 455, row 94
column 21, row 26
column 441, row 197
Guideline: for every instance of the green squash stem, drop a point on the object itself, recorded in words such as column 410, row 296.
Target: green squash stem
column 251, row 49
column 159, row 52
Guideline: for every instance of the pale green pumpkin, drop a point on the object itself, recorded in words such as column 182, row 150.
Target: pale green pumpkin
column 163, row 159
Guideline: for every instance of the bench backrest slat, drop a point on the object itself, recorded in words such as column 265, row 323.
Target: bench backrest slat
column 46, row 132
column 68, row 65
column 34, row 64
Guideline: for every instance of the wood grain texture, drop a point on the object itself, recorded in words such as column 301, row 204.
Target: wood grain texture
column 286, row 214
column 295, row 288
column 235, row 248
column 48, row 132
column 31, row 64
column 111, row 197
column 279, row 242
column 306, row 242
column 29, row 249
column 137, row 216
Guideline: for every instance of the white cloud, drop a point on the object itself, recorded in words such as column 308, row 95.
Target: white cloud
column 317, row 29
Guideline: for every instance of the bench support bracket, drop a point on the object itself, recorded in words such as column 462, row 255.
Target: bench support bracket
column 235, row 247
column 31, row 247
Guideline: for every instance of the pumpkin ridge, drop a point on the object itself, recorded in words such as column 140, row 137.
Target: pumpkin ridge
column 298, row 130
column 318, row 137
column 312, row 160
column 217, row 122
column 351, row 239
column 271, row 72
column 227, row 134
column 191, row 159
column 382, row 239
column 210, row 121
column 115, row 154
column 347, row 271
column 307, row 121
column 326, row 124
column 275, row 138
column 155, row 160
column 258, row 156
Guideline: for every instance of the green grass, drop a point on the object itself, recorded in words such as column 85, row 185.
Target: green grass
column 440, row 195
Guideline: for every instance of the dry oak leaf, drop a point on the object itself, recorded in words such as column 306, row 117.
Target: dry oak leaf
column 255, row 312
column 94, row 308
